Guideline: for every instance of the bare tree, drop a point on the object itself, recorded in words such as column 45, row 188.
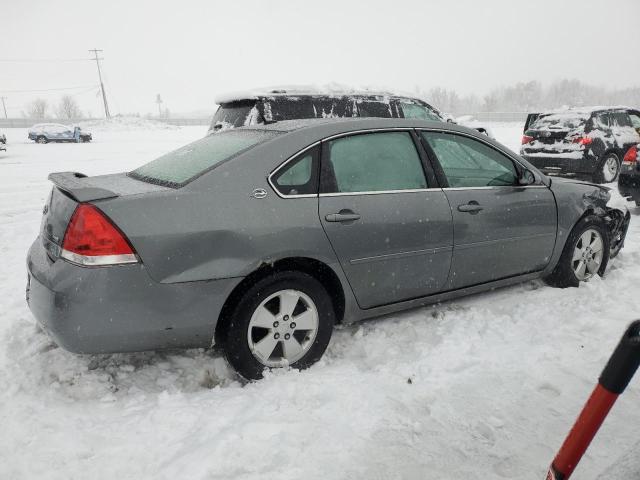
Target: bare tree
column 38, row 108
column 68, row 108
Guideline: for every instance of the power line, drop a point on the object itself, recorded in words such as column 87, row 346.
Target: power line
column 48, row 89
column 40, row 60
column 104, row 95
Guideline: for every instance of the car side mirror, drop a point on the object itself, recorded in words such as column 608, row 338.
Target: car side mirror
column 527, row 178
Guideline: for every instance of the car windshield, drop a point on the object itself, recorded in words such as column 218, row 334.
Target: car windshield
column 559, row 121
column 183, row 165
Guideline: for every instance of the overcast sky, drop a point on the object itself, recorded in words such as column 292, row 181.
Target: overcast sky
column 188, row 51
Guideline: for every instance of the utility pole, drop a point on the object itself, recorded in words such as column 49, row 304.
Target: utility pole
column 159, row 102
column 104, row 95
column 4, row 106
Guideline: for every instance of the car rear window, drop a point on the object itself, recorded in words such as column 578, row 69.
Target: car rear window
column 559, row 121
column 233, row 114
column 183, row 165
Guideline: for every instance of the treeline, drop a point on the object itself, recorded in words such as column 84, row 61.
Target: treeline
column 67, row 109
column 531, row 96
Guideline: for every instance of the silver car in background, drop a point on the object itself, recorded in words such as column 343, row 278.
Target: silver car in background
column 56, row 132
column 262, row 238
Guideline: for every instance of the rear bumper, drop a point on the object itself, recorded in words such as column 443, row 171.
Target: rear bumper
column 562, row 165
column 119, row 308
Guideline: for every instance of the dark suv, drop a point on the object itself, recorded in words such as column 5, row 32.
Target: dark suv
column 585, row 141
column 254, row 108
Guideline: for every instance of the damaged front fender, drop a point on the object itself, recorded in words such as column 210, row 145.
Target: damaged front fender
column 618, row 223
column 597, row 199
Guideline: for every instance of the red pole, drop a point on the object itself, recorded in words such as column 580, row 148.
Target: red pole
column 614, row 379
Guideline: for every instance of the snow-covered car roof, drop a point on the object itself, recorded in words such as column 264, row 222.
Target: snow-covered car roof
column 584, row 111
column 301, row 90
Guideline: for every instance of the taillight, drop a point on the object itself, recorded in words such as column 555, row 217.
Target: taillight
column 527, row 139
column 583, row 140
column 92, row 239
column 631, row 157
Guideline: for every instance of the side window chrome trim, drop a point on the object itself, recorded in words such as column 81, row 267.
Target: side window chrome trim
column 493, row 187
column 380, row 192
column 368, row 130
column 283, row 165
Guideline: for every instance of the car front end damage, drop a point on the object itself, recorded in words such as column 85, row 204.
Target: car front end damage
column 616, row 219
column 618, row 223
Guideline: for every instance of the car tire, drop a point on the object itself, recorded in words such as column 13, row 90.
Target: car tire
column 265, row 314
column 41, row 139
column 585, row 233
column 608, row 169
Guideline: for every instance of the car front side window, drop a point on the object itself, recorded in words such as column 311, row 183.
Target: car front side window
column 466, row 162
column 372, row 162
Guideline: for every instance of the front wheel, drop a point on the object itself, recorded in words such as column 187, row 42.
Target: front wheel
column 41, row 140
column 283, row 320
column 608, row 169
column 585, row 254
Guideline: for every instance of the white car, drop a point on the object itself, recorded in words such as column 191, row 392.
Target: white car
column 55, row 132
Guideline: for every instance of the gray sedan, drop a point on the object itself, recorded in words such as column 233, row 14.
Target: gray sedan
column 262, row 238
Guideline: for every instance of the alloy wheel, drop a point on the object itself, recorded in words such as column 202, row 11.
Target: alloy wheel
column 587, row 255
column 283, row 328
column 610, row 169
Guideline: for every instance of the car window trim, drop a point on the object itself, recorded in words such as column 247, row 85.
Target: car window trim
column 409, row 130
column 440, row 172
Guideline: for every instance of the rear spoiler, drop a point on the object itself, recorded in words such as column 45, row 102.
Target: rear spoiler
column 78, row 186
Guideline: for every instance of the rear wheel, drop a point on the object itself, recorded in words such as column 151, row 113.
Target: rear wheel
column 283, row 320
column 585, row 254
column 608, row 170
column 41, row 139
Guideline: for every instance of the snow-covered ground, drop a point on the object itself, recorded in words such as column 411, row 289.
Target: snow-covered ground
column 480, row 388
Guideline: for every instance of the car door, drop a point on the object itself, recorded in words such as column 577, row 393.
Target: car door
column 56, row 132
column 500, row 228
column 391, row 232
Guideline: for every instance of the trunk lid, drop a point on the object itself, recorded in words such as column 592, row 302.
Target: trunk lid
column 549, row 137
column 72, row 188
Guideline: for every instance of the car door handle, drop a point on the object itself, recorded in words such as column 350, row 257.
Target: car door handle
column 342, row 216
column 470, row 208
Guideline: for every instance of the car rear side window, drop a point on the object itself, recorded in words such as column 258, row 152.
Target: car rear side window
column 299, row 176
column 620, row 119
column 601, row 120
column 288, row 108
column 373, row 108
column 372, row 162
column 468, row 163
column 180, row 166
